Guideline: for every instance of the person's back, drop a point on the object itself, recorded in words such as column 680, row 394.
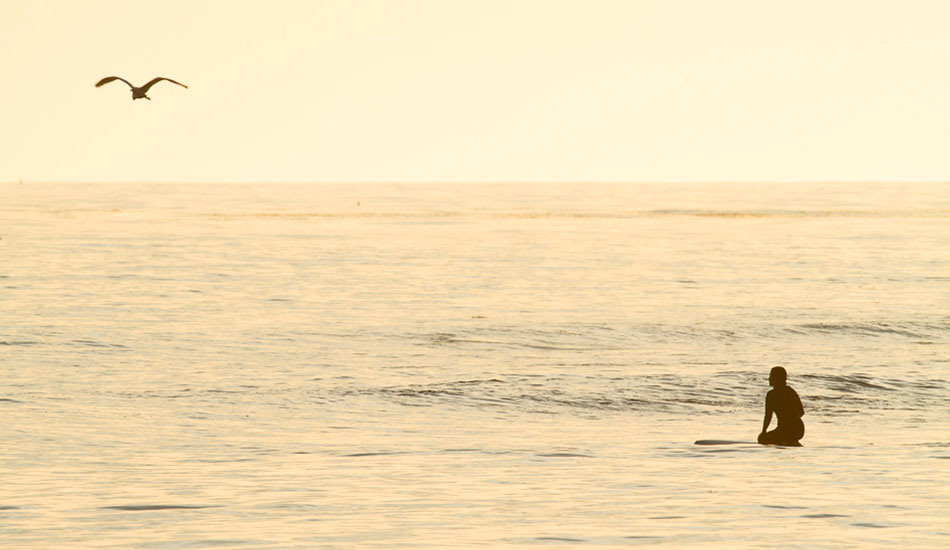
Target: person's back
column 784, row 402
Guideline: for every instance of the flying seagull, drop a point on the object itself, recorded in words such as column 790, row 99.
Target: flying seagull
column 140, row 91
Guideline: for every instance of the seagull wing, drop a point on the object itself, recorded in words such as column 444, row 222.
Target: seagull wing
column 159, row 79
column 109, row 79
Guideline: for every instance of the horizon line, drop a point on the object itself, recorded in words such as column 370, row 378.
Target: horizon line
column 477, row 182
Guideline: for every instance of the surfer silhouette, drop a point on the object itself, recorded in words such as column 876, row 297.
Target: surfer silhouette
column 785, row 403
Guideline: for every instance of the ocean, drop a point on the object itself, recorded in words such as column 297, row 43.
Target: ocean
column 290, row 366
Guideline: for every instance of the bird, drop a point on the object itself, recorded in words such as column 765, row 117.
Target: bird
column 138, row 92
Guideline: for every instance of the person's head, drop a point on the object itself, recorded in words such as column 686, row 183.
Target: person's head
column 777, row 377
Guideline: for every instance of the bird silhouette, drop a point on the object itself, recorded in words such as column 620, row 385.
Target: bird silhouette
column 138, row 92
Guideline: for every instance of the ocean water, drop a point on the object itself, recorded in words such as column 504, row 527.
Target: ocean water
column 462, row 366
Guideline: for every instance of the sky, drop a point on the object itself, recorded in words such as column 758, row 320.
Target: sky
column 476, row 90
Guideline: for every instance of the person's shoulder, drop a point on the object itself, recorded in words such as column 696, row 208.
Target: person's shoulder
column 790, row 393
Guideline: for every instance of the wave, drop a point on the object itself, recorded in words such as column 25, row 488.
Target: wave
column 573, row 214
column 580, row 392
column 871, row 329
column 155, row 507
column 82, row 342
column 595, row 337
column 728, row 391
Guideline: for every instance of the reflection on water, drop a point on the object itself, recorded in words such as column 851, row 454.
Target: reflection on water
column 441, row 366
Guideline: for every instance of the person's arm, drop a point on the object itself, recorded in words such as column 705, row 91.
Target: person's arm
column 768, row 412
column 801, row 409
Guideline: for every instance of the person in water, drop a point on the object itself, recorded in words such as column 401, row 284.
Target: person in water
column 785, row 403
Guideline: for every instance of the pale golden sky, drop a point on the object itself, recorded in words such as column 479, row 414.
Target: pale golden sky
column 476, row 90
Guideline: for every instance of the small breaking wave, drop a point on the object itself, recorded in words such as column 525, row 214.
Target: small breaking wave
column 548, row 340
column 864, row 329
column 154, row 507
column 731, row 391
column 97, row 344
column 567, row 213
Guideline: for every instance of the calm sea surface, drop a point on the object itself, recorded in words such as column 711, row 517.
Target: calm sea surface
column 495, row 366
